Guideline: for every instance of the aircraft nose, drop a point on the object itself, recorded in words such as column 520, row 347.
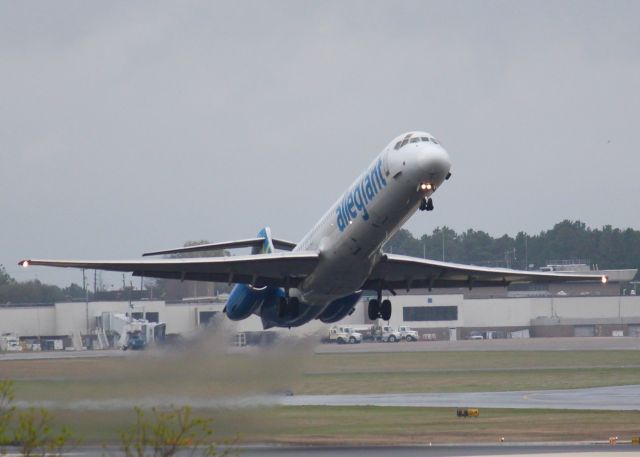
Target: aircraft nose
column 436, row 162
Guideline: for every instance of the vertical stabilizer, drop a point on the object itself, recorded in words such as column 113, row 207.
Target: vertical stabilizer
column 267, row 245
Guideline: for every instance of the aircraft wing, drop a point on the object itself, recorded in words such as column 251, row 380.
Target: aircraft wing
column 399, row 271
column 277, row 269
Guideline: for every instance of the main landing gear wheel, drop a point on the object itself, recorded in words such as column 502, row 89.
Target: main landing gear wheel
column 288, row 307
column 282, row 306
column 374, row 309
column 379, row 310
column 385, row 310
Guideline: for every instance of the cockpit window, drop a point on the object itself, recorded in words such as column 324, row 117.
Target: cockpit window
column 408, row 139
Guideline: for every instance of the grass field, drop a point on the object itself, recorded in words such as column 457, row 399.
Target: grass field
column 226, row 374
column 205, row 374
column 381, row 425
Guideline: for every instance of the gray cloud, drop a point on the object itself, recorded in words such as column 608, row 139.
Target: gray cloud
column 129, row 126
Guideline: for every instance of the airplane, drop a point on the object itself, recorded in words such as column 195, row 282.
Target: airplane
column 323, row 276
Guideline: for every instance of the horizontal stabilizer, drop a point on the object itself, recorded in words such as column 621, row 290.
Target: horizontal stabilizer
column 247, row 243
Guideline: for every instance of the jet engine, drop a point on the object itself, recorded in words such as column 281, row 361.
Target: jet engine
column 244, row 300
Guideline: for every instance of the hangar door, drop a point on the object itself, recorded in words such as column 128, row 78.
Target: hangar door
column 584, row 330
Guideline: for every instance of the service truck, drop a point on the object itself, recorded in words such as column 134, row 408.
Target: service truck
column 10, row 343
column 407, row 333
column 389, row 334
column 342, row 335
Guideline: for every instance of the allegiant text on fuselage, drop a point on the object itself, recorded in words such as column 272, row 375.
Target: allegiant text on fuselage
column 356, row 199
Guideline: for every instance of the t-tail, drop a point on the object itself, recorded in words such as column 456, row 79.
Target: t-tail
column 245, row 299
column 267, row 246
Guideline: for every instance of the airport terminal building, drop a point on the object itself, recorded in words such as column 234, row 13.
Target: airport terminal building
column 513, row 312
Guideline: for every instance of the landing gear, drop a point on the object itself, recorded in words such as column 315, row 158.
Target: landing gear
column 379, row 309
column 385, row 310
column 288, row 306
column 426, row 205
column 374, row 309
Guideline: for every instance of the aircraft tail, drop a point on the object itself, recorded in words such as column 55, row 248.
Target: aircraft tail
column 267, row 245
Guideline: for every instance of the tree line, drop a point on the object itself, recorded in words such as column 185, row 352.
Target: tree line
column 606, row 247
column 34, row 291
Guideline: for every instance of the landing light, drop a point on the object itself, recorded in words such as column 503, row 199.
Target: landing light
column 426, row 186
column 25, row 263
column 604, row 280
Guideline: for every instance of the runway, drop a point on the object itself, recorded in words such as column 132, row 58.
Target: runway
column 616, row 398
column 524, row 344
column 528, row 344
column 46, row 355
column 504, row 450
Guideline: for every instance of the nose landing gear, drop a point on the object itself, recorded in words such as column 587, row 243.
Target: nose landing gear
column 426, row 205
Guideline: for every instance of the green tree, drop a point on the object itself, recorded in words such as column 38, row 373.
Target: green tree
column 164, row 433
column 607, row 247
column 4, row 277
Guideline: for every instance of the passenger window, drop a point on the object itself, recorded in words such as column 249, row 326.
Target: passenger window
column 414, row 140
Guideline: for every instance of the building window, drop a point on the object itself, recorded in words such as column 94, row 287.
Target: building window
column 206, row 317
column 137, row 315
column 153, row 317
column 429, row 313
column 429, row 300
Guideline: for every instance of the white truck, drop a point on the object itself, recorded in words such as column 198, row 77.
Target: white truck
column 343, row 335
column 389, row 334
column 407, row 333
column 10, row 343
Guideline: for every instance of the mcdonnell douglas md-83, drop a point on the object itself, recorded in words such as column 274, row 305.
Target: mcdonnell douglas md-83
column 324, row 275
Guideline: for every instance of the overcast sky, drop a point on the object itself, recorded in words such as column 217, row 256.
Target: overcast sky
column 133, row 126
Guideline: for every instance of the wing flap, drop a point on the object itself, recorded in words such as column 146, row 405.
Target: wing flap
column 398, row 271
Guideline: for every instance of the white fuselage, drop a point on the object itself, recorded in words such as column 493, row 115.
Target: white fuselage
column 351, row 233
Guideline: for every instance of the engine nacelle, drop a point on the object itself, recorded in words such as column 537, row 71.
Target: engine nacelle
column 244, row 300
column 340, row 308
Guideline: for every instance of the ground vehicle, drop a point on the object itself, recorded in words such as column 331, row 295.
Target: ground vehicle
column 476, row 336
column 406, row 333
column 10, row 343
column 134, row 341
column 130, row 333
column 342, row 335
column 390, row 335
